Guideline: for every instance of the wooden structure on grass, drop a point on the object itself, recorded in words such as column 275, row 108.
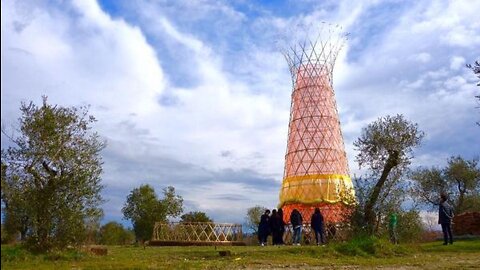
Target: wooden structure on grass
column 197, row 234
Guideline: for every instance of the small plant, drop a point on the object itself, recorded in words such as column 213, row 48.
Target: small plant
column 14, row 253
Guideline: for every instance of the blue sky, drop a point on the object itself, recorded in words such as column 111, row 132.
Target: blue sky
column 196, row 94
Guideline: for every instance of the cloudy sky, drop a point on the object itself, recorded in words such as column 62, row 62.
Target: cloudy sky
column 196, row 94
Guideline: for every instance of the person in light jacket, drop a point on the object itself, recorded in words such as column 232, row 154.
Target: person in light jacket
column 297, row 223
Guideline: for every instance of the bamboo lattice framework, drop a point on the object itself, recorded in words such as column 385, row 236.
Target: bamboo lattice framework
column 316, row 171
column 197, row 233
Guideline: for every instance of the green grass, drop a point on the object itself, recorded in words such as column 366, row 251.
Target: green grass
column 359, row 253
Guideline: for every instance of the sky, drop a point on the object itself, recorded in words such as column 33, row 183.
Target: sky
column 196, row 94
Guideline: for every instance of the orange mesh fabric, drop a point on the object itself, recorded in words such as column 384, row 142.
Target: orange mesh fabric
column 315, row 142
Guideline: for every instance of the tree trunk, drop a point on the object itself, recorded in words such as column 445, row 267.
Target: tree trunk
column 461, row 198
column 392, row 161
column 24, row 229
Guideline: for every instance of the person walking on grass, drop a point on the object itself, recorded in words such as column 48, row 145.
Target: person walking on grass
column 264, row 228
column 317, row 226
column 392, row 228
column 297, row 222
column 445, row 216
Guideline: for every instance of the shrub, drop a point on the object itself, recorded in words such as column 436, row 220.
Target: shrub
column 14, row 253
column 410, row 227
column 365, row 245
column 113, row 233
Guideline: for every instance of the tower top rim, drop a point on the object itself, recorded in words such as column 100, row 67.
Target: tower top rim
column 307, row 42
column 313, row 45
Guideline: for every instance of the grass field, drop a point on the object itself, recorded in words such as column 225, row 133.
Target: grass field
column 463, row 254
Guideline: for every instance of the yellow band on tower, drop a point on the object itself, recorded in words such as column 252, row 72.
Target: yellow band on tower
column 317, row 188
column 316, row 177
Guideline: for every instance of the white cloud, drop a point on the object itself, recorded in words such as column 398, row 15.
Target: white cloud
column 86, row 58
column 422, row 57
column 457, row 62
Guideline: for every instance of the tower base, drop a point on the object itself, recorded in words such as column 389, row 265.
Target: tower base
column 333, row 213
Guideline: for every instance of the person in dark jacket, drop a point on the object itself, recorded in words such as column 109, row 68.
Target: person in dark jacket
column 282, row 226
column 445, row 216
column 317, row 226
column 264, row 228
column 297, row 222
column 275, row 227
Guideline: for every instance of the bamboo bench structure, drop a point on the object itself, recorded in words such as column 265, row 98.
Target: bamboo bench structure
column 196, row 234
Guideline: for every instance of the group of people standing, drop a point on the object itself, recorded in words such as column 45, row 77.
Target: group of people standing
column 273, row 224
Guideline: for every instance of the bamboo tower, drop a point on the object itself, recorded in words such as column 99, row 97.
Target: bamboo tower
column 316, row 171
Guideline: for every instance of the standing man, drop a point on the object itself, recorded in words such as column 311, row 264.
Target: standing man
column 264, row 228
column 275, row 227
column 445, row 216
column 392, row 228
column 297, row 221
column 317, row 226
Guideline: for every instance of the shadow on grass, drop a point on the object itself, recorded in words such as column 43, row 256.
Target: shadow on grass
column 471, row 244
column 371, row 246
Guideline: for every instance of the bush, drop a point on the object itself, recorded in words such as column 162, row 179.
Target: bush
column 20, row 253
column 68, row 255
column 7, row 237
column 14, row 253
column 410, row 228
column 370, row 246
column 113, row 233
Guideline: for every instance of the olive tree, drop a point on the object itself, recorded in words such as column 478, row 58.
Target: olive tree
column 195, row 216
column 390, row 200
column 15, row 214
column 51, row 175
column 385, row 147
column 143, row 208
column 253, row 217
column 113, row 233
column 460, row 179
column 476, row 70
